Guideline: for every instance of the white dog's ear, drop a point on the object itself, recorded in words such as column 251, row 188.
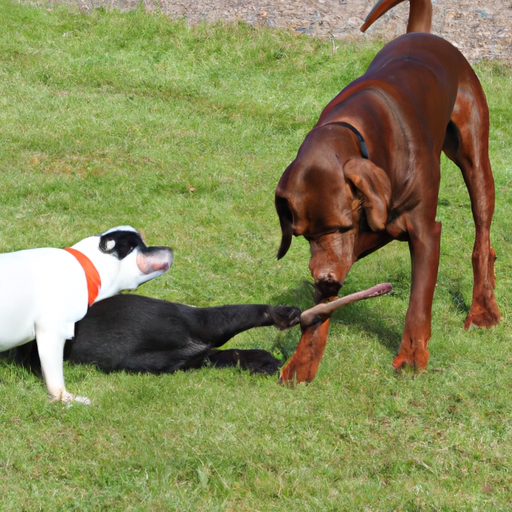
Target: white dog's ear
column 120, row 243
column 110, row 245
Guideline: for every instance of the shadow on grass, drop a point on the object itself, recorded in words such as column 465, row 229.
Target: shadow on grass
column 458, row 301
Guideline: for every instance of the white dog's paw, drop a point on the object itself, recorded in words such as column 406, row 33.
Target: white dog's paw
column 68, row 399
column 82, row 400
column 63, row 397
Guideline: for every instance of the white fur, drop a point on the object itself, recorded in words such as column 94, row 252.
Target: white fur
column 43, row 292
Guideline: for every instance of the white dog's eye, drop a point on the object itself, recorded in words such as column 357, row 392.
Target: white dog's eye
column 110, row 245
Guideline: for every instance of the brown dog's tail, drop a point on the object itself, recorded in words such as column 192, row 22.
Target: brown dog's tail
column 420, row 14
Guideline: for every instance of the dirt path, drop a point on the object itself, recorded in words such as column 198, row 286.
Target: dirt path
column 480, row 29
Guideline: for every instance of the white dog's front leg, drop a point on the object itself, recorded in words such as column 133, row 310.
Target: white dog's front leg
column 50, row 345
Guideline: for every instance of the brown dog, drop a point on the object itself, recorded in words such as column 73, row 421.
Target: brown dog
column 368, row 173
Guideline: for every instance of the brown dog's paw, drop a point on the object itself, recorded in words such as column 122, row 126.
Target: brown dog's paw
column 303, row 364
column 294, row 372
column 399, row 362
column 483, row 316
column 287, row 377
column 418, row 360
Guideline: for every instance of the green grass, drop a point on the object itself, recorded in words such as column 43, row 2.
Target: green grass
column 113, row 118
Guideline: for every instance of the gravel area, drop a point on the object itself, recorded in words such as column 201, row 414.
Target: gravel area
column 480, row 29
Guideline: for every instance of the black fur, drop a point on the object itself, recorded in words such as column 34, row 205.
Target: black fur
column 141, row 334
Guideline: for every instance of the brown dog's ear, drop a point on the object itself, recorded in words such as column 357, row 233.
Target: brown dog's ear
column 375, row 187
column 286, row 221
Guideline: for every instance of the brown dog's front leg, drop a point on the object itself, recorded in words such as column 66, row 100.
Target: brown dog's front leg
column 314, row 322
column 418, row 322
column 303, row 364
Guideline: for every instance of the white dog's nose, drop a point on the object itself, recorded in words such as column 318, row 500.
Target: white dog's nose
column 155, row 259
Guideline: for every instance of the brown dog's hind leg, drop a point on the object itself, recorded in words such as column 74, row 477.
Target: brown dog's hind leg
column 467, row 145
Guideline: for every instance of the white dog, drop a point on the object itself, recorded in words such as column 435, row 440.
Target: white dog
column 43, row 292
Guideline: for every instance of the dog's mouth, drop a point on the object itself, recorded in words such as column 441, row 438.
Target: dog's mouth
column 327, row 289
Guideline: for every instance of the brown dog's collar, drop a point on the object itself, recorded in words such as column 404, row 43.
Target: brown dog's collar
column 362, row 143
column 91, row 274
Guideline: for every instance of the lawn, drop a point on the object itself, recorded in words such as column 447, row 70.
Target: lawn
column 113, row 118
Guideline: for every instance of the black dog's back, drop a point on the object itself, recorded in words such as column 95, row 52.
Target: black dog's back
column 138, row 334
column 142, row 334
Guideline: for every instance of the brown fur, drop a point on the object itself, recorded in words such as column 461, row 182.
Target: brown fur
column 419, row 97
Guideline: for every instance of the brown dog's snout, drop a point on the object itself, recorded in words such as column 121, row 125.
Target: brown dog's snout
column 332, row 256
column 327, row 277
column 328, row 280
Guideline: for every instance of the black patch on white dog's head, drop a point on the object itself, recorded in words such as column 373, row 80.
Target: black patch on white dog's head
column 120, row 243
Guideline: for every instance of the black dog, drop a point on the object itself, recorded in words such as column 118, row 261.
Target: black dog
column 144, row 335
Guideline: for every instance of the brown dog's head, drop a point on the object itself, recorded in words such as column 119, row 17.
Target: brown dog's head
column 332, row 197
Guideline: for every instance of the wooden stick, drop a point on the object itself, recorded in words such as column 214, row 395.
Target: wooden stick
column 321, row 312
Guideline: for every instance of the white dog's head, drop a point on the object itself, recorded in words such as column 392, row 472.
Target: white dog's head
column 122, row 259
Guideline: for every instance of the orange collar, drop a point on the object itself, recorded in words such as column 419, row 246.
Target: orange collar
column 91, row 274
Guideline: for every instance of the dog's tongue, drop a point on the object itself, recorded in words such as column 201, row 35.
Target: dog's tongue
column 314, row 322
